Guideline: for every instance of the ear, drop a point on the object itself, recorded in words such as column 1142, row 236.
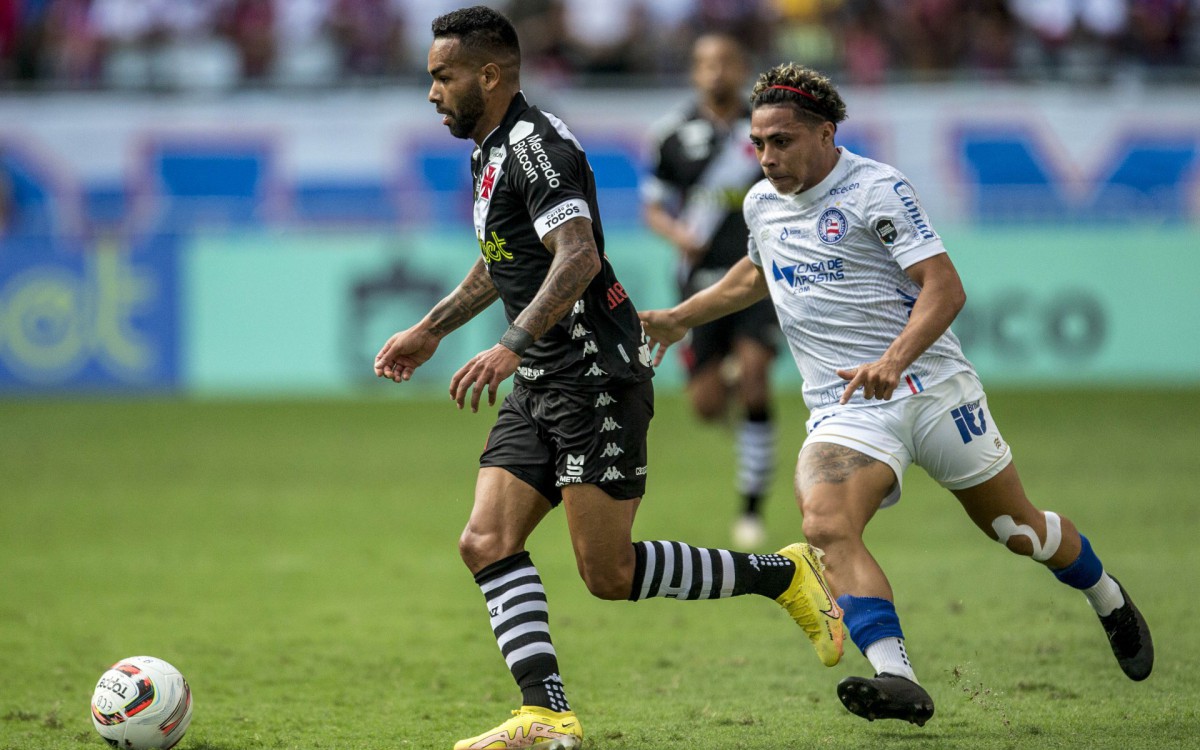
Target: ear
column 489, row 76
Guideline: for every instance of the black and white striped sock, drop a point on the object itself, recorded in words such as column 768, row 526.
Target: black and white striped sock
column 755, row 458
column 520, row 619
column 680, row 571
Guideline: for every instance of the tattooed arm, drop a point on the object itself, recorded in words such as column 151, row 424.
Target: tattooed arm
column 407, row 350
column 576, row 262
column 471, row 297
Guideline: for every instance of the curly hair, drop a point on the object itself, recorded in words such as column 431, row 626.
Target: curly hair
column 811, row 92
column 480, row 30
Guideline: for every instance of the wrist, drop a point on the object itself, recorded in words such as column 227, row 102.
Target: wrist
column 516, row 339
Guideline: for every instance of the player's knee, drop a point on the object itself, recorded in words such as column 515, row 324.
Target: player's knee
column 825, row 530
column 606, row 580
column 1023, row 539
column 479, row 550
column 709, row 409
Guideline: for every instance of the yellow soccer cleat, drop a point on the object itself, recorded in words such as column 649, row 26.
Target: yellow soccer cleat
column 531, row 727
column 810, row 603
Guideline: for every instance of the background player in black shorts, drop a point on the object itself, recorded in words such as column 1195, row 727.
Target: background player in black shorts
column 573, row 429
column 701, row 166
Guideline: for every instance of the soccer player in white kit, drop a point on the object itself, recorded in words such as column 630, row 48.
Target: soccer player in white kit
column 865, row 295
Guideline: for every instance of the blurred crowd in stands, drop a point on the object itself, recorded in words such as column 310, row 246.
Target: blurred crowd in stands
column 225, row 44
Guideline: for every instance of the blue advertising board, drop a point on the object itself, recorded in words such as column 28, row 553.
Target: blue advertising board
column 88, row 315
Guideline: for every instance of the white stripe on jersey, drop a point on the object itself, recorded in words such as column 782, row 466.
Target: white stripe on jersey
column 834, row 259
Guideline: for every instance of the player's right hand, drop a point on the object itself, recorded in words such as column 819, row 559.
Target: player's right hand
column 404, row 352
column 661, row 330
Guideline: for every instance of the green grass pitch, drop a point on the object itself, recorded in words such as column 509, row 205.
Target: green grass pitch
column 297, row 561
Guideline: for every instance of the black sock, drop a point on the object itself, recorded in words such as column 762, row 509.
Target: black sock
column 679, row 571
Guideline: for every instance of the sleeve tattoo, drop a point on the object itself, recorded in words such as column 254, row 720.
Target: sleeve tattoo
column 576, row 262
column 470, row 298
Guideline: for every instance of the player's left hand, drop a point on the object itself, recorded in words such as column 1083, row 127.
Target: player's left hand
column 488, row 370
column 878, row 380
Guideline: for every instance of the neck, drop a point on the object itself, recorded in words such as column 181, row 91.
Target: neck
column 493, row 114
column 723, row 110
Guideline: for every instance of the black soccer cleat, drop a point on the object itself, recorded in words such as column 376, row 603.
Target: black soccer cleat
column 886, row 696
column 1129, row 636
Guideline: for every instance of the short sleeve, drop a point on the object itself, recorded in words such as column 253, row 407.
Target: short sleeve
column 548, row 176
column 896, row 218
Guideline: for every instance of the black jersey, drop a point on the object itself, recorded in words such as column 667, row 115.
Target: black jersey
column 531, row 176
column 700, row 171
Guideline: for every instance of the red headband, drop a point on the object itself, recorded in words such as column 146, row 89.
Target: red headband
column 805, row 94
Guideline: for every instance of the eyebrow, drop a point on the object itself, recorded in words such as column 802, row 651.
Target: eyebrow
column 437, row 69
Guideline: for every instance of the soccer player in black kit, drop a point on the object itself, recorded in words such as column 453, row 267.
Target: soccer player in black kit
column 573, row 429
column 701, row 166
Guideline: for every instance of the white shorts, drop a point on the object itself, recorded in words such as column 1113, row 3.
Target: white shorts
column 946, row 430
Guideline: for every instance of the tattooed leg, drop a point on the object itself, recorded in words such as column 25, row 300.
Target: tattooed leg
column 839, row 490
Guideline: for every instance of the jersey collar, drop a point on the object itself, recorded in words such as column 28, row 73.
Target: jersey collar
column 821, row 189
column 516, row 108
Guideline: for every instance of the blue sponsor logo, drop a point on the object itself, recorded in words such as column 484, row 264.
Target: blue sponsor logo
column 843, row 189
column 831, row 227
column 970, row 420
column 802, row 276
column 912, row 209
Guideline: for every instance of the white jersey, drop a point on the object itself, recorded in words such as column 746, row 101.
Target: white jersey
column 834, row 259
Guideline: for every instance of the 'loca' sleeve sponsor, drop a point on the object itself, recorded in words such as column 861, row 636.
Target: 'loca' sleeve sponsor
column 898, row 221
column 546, row 174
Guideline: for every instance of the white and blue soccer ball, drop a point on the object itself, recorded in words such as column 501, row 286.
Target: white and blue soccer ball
column 142, row 703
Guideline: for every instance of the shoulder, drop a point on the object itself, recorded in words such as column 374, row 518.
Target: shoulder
column 761, row 195
column 668, row 126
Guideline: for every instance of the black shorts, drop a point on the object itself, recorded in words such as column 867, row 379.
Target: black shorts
column 714, row 341
column 549, row 437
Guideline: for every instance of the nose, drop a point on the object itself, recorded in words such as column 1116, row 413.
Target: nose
column 434, row 96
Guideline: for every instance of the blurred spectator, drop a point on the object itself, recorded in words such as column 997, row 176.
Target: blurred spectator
column 250, row 25
column 603, row 36
column 304, row 52
column 70, row 54
column 542, row 28
column 991, row 38
column 369, row 36
column 751, row 21
column 807, row 33
column 1073, row 38
column 8, row 36
column 222, row 43
column 1158, row 31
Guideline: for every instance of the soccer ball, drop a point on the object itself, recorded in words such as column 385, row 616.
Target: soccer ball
column 142, row 703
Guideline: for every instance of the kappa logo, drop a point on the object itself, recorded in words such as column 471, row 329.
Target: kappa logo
column 578, row 309
column 589, row 347
column 579, row 331
column 610, row 424
column 610, row 450
column 604, row 400
column 965, row 419
column 644, row 355
column 595, row 371
column 612, row 473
